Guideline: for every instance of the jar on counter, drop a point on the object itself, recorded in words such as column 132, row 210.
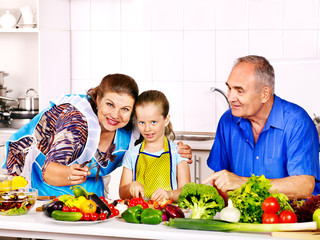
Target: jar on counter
column 8, row 21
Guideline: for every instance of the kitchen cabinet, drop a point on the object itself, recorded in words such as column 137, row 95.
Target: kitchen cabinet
column 37, row 57
column 199, row 169
column 201, row 144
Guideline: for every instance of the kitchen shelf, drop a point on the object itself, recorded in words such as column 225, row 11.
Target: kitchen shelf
column 20, row 30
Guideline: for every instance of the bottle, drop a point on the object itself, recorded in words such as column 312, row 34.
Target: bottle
column 8, row 21
column 27, row 15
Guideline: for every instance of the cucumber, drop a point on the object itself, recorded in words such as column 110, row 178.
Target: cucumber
column 66, row 216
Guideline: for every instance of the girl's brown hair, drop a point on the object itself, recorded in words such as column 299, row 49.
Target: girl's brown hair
column 118, row 83
column 159, row 99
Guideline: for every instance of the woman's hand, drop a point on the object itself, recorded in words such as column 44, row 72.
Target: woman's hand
column 57, row 174
column 78, row 174
column 185, row 151
column 136, row 189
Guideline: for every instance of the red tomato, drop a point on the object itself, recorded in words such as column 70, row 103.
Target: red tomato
column 103, row 216
column 65, row 209
column 270, row 205
column 94, row 216
column 74, row 209
column 135, row 201
column 145, row 205
column 270, row 218
column 287, row 217
column 86, row 216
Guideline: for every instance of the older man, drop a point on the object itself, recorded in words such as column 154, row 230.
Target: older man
column 263, row 134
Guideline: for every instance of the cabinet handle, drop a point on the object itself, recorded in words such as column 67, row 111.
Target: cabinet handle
column 197, row 169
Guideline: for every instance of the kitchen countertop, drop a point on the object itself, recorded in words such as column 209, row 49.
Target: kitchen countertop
column 37, row 225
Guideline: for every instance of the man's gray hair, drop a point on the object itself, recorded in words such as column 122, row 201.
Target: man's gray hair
column 264, row 71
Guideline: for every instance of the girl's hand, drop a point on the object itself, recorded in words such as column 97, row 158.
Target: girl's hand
column 136, row 189
column 161, row 194
column 78, row 174
column 185, row 151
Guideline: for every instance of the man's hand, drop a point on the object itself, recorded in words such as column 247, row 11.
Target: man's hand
column 185, row 151
column 225, row 180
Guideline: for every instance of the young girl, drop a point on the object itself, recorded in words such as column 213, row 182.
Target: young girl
column 153, row 169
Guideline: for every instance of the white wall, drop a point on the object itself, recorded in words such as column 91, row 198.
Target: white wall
column 185, row 47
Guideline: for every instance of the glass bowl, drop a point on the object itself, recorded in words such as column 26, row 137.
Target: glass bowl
column 17, row 202
column 5, row 183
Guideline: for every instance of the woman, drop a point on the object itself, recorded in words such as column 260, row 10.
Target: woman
column 61, row 144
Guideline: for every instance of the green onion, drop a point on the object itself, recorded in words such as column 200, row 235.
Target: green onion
column 224, row 226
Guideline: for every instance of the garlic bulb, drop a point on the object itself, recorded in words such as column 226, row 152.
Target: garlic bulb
column 230, row 213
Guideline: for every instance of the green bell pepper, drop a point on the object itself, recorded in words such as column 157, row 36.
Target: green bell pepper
column 133, row 214
column 151, row 216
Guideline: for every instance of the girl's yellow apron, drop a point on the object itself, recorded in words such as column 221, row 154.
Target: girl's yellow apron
column 152, row 171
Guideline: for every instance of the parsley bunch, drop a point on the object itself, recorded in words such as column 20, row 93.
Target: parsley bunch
column 249, row 197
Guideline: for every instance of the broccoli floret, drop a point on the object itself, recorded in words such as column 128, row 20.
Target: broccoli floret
column 203, row 200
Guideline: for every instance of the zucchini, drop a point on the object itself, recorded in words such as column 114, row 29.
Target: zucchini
column 66, row 216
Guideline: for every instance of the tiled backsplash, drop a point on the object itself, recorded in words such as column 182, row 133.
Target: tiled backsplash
column 185, row 47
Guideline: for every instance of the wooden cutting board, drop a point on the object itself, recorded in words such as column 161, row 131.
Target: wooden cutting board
column 314, row 235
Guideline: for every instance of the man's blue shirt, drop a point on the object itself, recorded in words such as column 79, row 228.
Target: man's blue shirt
column 288, row 145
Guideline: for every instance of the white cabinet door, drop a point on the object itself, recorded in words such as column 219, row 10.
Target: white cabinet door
column 199, row 169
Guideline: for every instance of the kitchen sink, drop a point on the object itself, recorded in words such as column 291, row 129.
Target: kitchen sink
column 194, row 136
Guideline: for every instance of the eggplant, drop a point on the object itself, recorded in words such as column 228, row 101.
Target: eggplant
column 173, row 211
column 51, row 206
column 101, row 204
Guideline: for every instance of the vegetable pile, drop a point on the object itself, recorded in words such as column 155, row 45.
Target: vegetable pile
column 203, row 200
column 151, row 212
column 82, row 206
column 250, row 196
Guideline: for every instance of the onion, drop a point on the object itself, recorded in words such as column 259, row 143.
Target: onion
column 230, row 213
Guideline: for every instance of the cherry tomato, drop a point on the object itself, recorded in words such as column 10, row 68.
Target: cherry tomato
column 103, row 216
column 111, row 207
column 86, row 216
column 116, row 212
column 270, row 218
column 74, row 209
column 270, row 205
column 94, row 216
column 65, row 209
column 88, row 206
column 103, row 198
column 287, row 217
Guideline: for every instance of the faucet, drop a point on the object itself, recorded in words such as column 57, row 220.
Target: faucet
column 222, row 92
